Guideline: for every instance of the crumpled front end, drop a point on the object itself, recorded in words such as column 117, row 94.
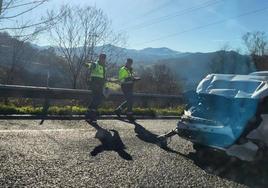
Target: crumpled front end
column 228, row 113
column 217, row 121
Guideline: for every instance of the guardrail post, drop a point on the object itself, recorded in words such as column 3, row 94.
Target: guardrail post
column 45, row 109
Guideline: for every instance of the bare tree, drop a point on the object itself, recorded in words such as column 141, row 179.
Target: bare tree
column 256, row 43
column 21, row 32
column 230, row 61
column 13, row 12
column 81, row 30
column 158, row 79
column 14, row 19
column 24, row 6
column 17, row 45
column 115, row 51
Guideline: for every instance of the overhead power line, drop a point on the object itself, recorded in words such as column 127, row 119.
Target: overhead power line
column 173, row 15
column 157, row 8
column 206, row 25
column 149, row 12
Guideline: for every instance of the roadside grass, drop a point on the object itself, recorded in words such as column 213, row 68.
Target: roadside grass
column 79, row 110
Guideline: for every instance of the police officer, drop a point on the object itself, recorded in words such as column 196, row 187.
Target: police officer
column 97, row 83
column 127, row 82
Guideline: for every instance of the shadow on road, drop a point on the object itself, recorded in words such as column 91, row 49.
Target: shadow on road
column 252, row 174
column 110, row 141
column 147, row 136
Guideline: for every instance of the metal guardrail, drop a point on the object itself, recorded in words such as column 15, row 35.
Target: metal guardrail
column 79, row 117
column 62, row 93
column 48, row 94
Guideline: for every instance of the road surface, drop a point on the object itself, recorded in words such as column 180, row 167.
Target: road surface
column 110, row 154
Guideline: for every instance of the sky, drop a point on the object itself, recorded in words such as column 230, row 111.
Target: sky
column 182, row 25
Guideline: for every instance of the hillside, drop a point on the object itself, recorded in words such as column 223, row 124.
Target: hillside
column 144, row 56
column 25, row 64
column 192, row 67
column 34, row 62
column 151, row 55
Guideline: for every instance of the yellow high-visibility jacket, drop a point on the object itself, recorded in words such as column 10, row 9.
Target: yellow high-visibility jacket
column 125, row 75
column 96, row 70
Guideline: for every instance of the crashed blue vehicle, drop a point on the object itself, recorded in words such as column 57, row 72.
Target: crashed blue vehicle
column 228, row 114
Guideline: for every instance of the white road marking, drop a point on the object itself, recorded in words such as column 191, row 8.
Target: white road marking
column 43, row 130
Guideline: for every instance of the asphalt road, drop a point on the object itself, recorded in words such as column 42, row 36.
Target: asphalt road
column 110, row 154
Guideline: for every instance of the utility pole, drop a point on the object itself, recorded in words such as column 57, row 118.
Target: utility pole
column 48, row 77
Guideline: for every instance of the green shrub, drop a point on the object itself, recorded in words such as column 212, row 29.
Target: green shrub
column 78, row 110
column 8, row 109
column 29, row 110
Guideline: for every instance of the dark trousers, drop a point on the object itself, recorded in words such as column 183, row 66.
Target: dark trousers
column 97, row 95
column 128, row 93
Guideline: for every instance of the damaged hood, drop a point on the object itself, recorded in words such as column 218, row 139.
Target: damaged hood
column 234, row 86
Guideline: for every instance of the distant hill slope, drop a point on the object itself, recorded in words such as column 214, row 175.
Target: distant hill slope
column 151, row 55
column 192, row 67
column 188, row 67
column 144, row 56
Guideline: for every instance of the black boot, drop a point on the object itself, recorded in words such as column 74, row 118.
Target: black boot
column 118, row 112
column 130, row 116
column 91, row 116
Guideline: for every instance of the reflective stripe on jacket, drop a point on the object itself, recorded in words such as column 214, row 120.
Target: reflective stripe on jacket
column 125, row 75
column 97, row 70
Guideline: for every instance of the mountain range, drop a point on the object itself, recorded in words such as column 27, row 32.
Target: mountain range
column 146, row 55
column 188, row 67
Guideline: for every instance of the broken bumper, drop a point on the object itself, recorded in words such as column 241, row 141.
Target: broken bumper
column 205, row 132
